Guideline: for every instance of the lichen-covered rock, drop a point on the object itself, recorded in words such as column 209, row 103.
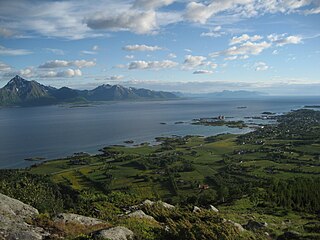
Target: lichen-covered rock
column 196, row 209
column 238, row 226
column 13, row 217
column 115, row 233
column 141, row 214
column 79, row 219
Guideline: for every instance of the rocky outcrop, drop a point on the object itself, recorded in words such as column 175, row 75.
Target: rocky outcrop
column 14, row 216
column 196, row 209
column 141, row 214
column 79, row 219
column 115, row 233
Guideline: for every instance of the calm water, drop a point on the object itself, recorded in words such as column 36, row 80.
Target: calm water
column 57, row 131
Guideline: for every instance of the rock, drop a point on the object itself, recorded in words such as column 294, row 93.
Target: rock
column 75, row 218
column 290, row 235
column 254, row 225
column 115, row 233
column 166, row 205
column 141, row 214
column 163, row 204
column 196, row 209
column 237, row 225
column 13, row 217
column 213, row 208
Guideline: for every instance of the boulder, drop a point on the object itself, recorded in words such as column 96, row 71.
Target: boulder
column 115, row 233
column 213, row 208
column 236, row 225
column 254, row 225
column 14, row 215
column 141, row 214
column 196, row 209
column 79, row 219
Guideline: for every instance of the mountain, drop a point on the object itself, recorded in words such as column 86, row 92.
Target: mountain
column 228, row 94
column 20, row 92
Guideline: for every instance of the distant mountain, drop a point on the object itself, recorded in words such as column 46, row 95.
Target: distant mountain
column 229, row 94
column 20, row 92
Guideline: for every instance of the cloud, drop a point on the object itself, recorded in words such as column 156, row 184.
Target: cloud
column 247, row 48
column 203, row 72
column 135, row 21
column 129, row 57
column 55, row 51
column 172, row 55
column 238, row 9
column 88, row 52
column 63, row 63
column 4, row 67
column 231, row 58
column 282, row 39
column 13, row 52
column 151, row 4
column 141, row 48
column 191, row 61
column 69, row 73
column 243, row 38
column 4, row 32
column 152, row 64
column 26, row 72
column 115, row 77
column 261, row 66
column 95, row 48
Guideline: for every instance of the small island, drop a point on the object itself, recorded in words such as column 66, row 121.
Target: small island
column 219, row 121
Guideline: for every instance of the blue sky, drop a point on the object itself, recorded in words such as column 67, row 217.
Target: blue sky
column 190, row 46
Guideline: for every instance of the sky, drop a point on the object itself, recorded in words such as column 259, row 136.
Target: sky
column 271, row 46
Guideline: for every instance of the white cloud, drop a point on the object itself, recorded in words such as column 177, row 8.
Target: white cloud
column 244, row 38
column 203, row 72
column 129, row 57
column 247, row 48
column 63, row 63
column 26, row 72
column 142, row 47
column 172, row 55
column 13, row 52
column 95, row 48
column 282, row 39
column 4, row 67
column 187, row 50
column 152, row 4
column 152, row 64
column 135, row 21
column 69, row 73
column 88, row 52
column 202, row 12
column 114, row 77
column 275, row 52
column 231, row 58
column 193, row 61
column 212, row 34
column 261, row 66
column 55, row 51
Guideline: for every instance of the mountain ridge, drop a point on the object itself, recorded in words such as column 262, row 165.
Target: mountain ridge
column 21, row 92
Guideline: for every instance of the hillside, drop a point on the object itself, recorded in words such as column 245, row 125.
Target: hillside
column 263, row 185
column 20, row 92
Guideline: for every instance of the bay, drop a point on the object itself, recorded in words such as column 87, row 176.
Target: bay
column 58, row 131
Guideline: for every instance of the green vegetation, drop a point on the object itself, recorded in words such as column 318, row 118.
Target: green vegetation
column 270, row 175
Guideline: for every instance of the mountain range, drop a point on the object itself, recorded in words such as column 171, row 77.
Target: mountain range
column 21, row 92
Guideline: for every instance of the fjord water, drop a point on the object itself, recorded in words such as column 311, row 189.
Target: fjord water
column 59, row 131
